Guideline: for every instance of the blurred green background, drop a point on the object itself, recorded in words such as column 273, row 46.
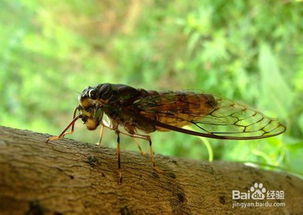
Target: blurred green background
column 249, row 51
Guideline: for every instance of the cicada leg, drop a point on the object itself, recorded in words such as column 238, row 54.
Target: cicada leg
column 139, row 147
column 144, row 137
column 107, row 124
column 100, row 135
column 118, row 157
column 71, row 124
column 140, row 136
column 147, row 138
column 114, row 126
column 63, row 133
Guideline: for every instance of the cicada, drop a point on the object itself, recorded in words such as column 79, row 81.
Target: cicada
column 138, row 112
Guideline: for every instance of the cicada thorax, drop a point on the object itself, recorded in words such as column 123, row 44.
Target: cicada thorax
column 178, row 108
column 111, row 98
column 110, row 94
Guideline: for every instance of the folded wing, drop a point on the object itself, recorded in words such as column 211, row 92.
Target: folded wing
column 205, row 115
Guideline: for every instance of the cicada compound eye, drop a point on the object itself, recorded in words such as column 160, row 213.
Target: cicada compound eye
column 92, row 94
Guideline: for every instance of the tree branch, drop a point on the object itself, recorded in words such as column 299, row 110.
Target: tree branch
column 70, row 177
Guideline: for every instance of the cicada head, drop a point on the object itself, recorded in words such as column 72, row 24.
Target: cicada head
column 99, row 94
column 88, row 97
column 91, row 101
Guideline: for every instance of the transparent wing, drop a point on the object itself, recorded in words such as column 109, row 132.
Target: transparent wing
column 226, row 120
column 232, row 119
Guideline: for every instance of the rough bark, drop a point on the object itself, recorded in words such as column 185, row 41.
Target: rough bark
column 70, row 177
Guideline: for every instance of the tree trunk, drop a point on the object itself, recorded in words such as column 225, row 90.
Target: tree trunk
column 70, row 177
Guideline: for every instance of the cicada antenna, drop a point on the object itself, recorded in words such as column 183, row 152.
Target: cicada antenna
column 71, row 124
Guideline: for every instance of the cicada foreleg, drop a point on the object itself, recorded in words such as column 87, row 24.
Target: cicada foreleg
column 71, row 124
